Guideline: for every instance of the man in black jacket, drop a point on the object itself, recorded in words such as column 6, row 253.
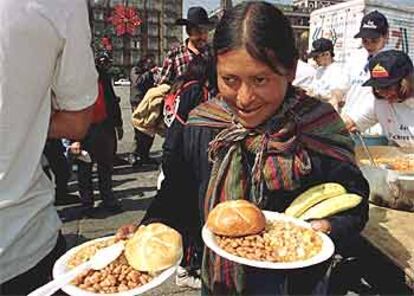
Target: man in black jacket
column 100, row 142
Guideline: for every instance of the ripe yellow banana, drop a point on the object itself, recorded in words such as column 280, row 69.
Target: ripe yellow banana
column 313, row 196
column 332, row 206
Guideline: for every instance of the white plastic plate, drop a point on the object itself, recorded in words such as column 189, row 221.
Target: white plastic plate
column 326, row 252
column 60, row 268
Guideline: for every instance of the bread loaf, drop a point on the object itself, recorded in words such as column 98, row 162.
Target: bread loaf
column 236, row 218
column 153, row 248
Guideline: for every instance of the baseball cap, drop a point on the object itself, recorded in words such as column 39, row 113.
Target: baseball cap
column 388, row 67
column 373, row 25
column 321, row 45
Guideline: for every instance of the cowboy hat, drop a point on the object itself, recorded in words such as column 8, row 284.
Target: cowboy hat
column 195, row 16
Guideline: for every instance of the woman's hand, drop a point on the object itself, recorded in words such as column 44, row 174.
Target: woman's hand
column 321, row 225
column 349, row 124
column 337, row 99
column 125, row 231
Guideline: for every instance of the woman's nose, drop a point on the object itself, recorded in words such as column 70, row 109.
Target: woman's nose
column 244, row 95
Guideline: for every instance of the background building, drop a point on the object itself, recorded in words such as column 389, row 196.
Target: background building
column 315, row 4
column 154, row 36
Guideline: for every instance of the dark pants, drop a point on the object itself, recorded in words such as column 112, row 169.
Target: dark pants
column 143, row 144
column 54, row 152
column 100, row 143
column 309, row 281
column 39, row 275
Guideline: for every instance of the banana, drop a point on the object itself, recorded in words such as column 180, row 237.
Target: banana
column 313, row 196
column 332, row 206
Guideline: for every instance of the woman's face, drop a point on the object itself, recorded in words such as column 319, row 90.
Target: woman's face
column 324, row 59
column 250, row 87
column 391, row 93
column 374, row 45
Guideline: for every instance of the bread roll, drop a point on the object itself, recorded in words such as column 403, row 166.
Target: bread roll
column 236, row 218
column 153, row 248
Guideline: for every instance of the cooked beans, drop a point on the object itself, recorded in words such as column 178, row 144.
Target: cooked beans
column 116, row 277
column 280, row 242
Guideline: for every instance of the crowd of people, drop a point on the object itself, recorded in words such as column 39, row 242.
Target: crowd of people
column 236, row 122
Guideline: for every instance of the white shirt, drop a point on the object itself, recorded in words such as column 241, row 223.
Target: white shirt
column 358, row 97
column 326, row 79
column 304, row 73
column 357, row 73
column 396, row 119
column 44, row 48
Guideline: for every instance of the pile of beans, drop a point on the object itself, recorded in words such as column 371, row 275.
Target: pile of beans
column 280, row 242
column 117, row 277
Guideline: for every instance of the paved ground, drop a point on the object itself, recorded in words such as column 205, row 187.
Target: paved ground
column 134, row 188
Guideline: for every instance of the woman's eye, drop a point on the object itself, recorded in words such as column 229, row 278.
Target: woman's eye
column 229, row 80
column 259, row 80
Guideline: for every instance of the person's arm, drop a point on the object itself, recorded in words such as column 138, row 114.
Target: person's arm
column 74, row 85
column 176, row 202
column 363, row 117
column 338, row 86
column 189, row 99
column 167, row 71
column 113, row 100
column 72, row 125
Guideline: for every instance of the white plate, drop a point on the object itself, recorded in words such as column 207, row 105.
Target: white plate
column 60, row 268
column 326, row 252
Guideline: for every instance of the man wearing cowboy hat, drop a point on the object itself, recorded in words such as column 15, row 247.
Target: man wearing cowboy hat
column 197, row 26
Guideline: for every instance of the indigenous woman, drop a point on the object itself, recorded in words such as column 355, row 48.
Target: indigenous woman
column 259, row 140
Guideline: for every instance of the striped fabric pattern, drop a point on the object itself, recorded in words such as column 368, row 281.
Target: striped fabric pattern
column 281, row 158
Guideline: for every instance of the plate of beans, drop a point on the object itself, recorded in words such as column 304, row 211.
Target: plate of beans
column 286, row 243
column 117, row 279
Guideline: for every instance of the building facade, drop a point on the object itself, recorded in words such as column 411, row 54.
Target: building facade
column 154, row 36
column 314, row 4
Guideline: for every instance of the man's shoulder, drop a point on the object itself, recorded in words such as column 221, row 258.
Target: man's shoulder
column 176, row 50
column 62, row 7
column 59, row 12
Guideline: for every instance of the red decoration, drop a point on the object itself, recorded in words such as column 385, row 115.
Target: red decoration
column 125, row 19
column 106, row 43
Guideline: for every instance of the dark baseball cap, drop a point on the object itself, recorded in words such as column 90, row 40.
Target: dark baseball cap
column 321, row 45
column 388, row 68
column 373, row 25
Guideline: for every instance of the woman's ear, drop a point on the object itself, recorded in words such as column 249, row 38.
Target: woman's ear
column 407, row 87
column 404, row 86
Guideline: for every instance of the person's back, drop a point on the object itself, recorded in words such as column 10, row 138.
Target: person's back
column 134, row 75
column 38, row 58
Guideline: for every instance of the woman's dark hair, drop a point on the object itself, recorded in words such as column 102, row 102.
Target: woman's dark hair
column 200, row 69
column 262, row 30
